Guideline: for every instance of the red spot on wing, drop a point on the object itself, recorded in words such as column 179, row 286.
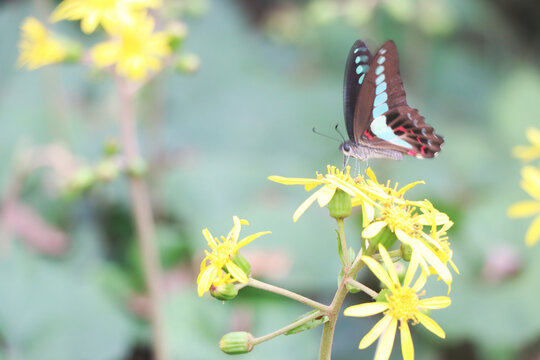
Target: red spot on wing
column 412, row 152
column 366, row 132
column 423, row 150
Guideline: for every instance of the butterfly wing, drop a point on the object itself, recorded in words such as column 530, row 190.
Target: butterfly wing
column 382, row 117
column 356, row 69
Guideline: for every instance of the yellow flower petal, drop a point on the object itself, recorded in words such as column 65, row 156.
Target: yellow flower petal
column 379, row 271
column 411, row 270
column 294, row 181
column 526, row 153
column 366, row 309
column 205, row 280
column 373, row 229
column 390, row 269
column 438, row 302
column 236, row 272
column 533, row 135
column 407, row 348
column 533, row 233
column 325, row 194
column 524, row 209
column 420, row 282
column 250, row 238
column 375, row 332
column 431, row 325
column 384, row 348
column 408, row 187
column 209, row 238
column 304, row 206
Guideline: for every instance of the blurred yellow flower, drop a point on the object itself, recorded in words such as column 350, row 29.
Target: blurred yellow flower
column 217, row 267
column 109, row 13
column 37, row 46
column 402, row 304
column 334, row 179
column 531, row 184
column 532, row 152
column 135, row 49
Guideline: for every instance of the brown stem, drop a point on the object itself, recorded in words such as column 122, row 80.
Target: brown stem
column 142, row 213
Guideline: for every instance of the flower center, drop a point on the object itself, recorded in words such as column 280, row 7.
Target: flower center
column 399, row 217
column 223, row 253
column 403, row 304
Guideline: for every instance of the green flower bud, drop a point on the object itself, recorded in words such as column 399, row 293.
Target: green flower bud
column 406, row 252
column 239, row 342
column 340, row 205
column 242, row 263
column 224, row 292
column 385, row 237
column 106, row 170
column 83, row 179
column 137, row 168
column 188, row 63
column 111, row 147
column 177, row 34
column 307, row 325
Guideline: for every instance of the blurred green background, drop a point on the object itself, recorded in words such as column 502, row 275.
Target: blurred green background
column 70, row 278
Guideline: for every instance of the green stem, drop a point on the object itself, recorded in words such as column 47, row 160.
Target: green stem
column 283, row 292
column 362, row 287
column 286, row 328
column 343, row 242
column 144, row 221
column 392, row 253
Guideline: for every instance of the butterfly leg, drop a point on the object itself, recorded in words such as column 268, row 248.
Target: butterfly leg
column 345, row 161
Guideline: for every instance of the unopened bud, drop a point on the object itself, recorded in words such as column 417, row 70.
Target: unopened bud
column 188, row 63
column 107, row 170
column 385, row 237
column 242, row 263
column 177, row 34
column 340, row 205
column 406, row 252
column 224, row 292
column 239, row 342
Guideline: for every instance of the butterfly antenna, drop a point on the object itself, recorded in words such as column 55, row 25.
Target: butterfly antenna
column 339, row 132
column 324, row 135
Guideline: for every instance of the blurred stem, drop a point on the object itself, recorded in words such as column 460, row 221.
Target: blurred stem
column 142, row 213
column 284, row 292
column 362, row 287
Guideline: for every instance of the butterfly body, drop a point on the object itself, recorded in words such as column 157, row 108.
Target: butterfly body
column 380, row 123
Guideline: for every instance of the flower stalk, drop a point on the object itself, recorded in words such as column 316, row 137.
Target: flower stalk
column 144, row 221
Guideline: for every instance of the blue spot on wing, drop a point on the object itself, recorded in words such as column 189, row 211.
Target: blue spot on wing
column 380, row 88
column 381, row 60
column 379, row 99
column 379, row 79
column 362, row 69
column 379, row 110
column 361, row 79
column 379, row 70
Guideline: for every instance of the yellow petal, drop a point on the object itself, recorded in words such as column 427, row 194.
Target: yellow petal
column 526, row 153
column 294, row 181
column 524, row 209
column 209, row 238
column 325, row 194
column 236, row 272
column 437, row 302
column 391, row 270
column 411, row 270
column 205, row 279
column 304, row 206
column 408, row 187
column 379, row 271
column 250, row 238
column 371, row 175
column 533, row 233
column 533, row 135
column 384, row 348
column 235, row 231
column 373, row 229
column 420, row 282
column 366, row 309
column 407, row 348
column 431, row 325
column 375, row 332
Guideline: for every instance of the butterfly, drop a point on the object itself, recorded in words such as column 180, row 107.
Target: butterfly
column 380, row 123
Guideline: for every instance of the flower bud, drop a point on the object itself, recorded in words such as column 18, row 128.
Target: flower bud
column 106, row 170
column 177, row 34
column 188, row 63
column 385, row 237
column 307, row 325
column 383, row 295
column 111, row 147
column 340, row 205
column 238, row 342
column 242, row 263
column 406, row 252
column 83, row 179
column 224, row 292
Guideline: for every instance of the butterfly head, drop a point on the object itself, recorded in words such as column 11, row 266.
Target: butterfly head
column 349, row 149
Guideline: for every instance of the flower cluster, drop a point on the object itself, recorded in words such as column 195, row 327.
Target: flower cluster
column 387, row 217
column 531, row 184
column 133, row 49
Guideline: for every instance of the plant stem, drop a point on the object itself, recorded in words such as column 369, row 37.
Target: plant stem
column 343, row 242
column 362, row 287
column 284, row 292
column 286, row 328
column 142, row 213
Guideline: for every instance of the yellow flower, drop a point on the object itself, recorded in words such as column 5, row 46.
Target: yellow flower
column 109, row 13
column 402, row 304
column 528, row 153
column 37, row 47
column 406, row 219
column 531, row 184
column 136, row 49
column 334, row 179
column 217, row 267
